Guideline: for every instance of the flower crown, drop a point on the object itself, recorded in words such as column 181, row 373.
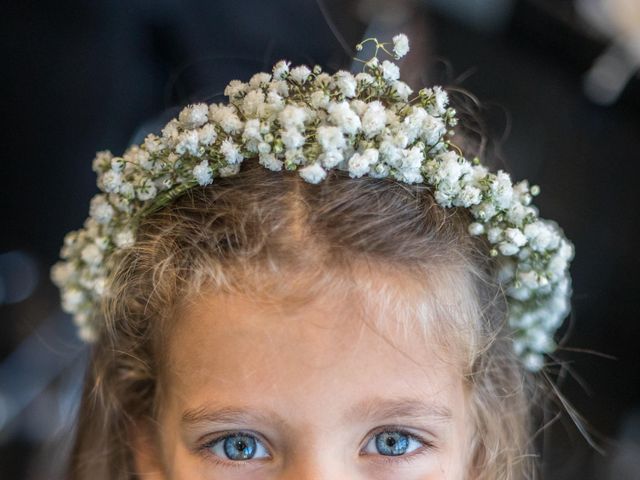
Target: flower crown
column 307, row 120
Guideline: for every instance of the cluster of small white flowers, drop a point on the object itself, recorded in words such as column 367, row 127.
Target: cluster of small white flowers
column 303, row 119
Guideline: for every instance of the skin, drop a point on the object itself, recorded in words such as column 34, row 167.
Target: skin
column 313, row 387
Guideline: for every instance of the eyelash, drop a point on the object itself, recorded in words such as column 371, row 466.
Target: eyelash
column 385, row 459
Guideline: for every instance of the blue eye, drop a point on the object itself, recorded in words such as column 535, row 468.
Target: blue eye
column 393, row 443
column 238, row 446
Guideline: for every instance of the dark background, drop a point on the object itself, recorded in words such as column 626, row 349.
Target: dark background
column 79, row 77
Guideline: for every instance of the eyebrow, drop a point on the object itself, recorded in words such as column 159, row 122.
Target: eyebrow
column 407, row 408
column 368, row 410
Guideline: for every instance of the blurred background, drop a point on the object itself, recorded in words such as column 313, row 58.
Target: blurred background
column 560, row 92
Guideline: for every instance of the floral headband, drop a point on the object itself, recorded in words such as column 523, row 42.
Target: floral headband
column 306, row 120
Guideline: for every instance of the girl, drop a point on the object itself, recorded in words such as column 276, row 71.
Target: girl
column 376, row 315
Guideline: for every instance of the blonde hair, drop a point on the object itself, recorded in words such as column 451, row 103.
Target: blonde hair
column 240, row 235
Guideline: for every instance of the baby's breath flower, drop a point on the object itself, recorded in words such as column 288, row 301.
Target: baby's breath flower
column 374, row 119
column 359, row 163
column 390, row 71
column 281, row 69
column 207, row 135
column 259, row 79
column 188, row 143
column 401, row 90
column 270, row 161
column 292, row 117
column 313, row 173
column 346, row 83
column 101, row 210
column 230, row 152
column 400, row 45
column 300, row 74
column 344, row 118
column 203, row 173
column 313, row 122
column 194, row 116
column 235, row 88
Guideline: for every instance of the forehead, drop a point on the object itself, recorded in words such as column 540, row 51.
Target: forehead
column 331, row 353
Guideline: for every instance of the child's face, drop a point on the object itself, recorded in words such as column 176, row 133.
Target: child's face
column 253, row 393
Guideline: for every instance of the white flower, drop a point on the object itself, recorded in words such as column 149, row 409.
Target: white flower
column 61, row 273
column 146, row 191
column 313, row 173
column 152, row 144
column 235, row 88
column 452, row 167
column 501, row 189
column 508, row 248
column 529, row 279
column 319, row 99
column 442, row 100
column 515, row 236
column 275, row 103
column 72, row 298
column 88, row 334
column 413, row 176
column 359, row 163
column 419, row 124
column 194, row 116
column 229, row 170
column 494, row 234
column 484, row 211
column 330, row 138
column 187, row 143
column 226, row 117
column 281, row 69
column 264, row 147
column 101, row 210
column 390, row 153
column 533, row 361
column 373, row 64
column 390, row 71
column 270, row 161
column 517, row 213
column 111, row 181
column 364, row 78
column 300, row 73
column 230, row 152
column 102, row 161
column 124, row 238
column 540, row 235
column 400, row 45
column 118, row 163
column 476, row 228
column 374, row 119
column 203, row 173
column 91, row 254
column 207, row 135
column 280, row 87
column 412, row 158
column 252, row 102
column 292, row 117
column 346, row 83
column 170, row 131
column 259, row 79
column 292, row 138
column 402, row 90
column 252, row 130
column 344, row 118
column 469, row 195
column 358, row 106
column 331, row 158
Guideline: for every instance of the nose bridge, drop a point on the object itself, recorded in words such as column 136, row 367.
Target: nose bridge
column 316, row 468
column 318, row 460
